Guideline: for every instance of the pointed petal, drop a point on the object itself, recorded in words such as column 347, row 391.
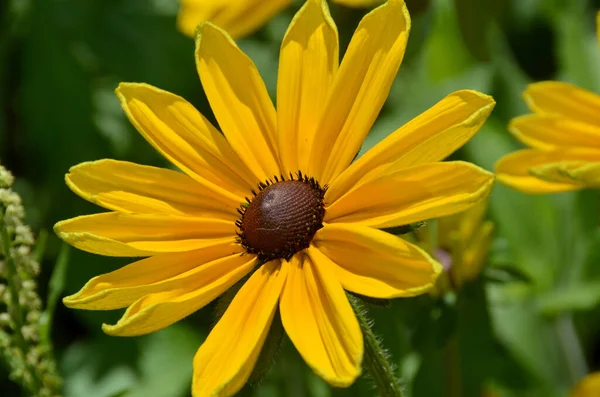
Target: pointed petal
column 239, row 100
column 178, row 131
column 408, row 195
column 319, row 320
column 374, row 263
column 515, row 169
column 431, row 136
column 239, row 18
column 129, row 187
column 119, row 234
column 563, row 99
column 361, row 87
column 549, row 132
column 159, row 273
column 192, row 291
column 226, row 359
column 308, row 62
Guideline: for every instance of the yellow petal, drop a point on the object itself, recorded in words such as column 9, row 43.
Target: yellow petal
column 588, row 174
column 162, row 272
column 556, row 172
column 183, row 296
column 589, row 386
column 239, row 18
column 226, row 359
column 374, row 263
column 177, row 130
column 129, row 187
column 563, row 99
column 514, row 169
column 431, row 136
column 549, row 132
column 408, row 195
column 319, row 320
column 239, row 100
column 121, row 234
column 360, row 88
column 308, row 62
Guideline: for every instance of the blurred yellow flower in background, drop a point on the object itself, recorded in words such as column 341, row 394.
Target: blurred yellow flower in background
column 309, row 230
column 239, row 17
column 589, row 386
column 462, row 243
column 564, row 136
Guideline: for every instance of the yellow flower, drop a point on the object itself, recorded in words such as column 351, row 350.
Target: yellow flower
column 463, row 242
column 589, row 386
column 564, row 136
column 302, row 245
column 239, row 17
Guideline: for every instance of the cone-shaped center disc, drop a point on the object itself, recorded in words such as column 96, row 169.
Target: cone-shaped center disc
column 282, row 219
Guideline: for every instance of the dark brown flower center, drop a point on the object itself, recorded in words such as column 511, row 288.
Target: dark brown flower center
column 282, row 218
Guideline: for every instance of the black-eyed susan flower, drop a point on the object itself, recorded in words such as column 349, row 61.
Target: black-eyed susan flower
column 564, row 136
column 276, row 197
column 239, row 17
column 462, row 242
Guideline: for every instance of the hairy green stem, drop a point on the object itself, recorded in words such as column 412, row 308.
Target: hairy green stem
column 375, row 359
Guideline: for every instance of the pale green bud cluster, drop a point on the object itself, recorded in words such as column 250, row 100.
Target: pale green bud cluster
column 29, row 358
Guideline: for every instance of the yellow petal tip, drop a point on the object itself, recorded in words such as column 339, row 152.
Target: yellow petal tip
column 109, row 329
column 57, row 228
column 70, row 301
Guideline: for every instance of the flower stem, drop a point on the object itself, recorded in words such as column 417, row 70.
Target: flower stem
column 376, row 360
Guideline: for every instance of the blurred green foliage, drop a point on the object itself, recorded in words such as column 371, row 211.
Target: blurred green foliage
column 529, row 327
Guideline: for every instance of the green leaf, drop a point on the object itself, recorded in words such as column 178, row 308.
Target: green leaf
column 577, row 45
column 56, row 287
column 100, row 367
column 584, row 296
column 165, row 362
column 155, row 365
column 529, row 336
column 40, row 245
column 445, row 49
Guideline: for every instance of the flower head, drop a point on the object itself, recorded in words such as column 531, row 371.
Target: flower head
column 276, row 197
column 239, row 17
column 564, row 136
